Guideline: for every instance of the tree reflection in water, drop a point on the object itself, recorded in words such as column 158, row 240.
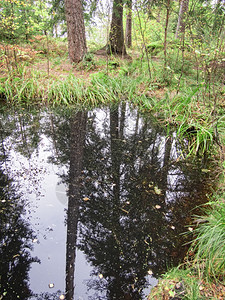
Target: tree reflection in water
column 135, row 201
column 16, row 243
column 130, row 197
column 78, row 125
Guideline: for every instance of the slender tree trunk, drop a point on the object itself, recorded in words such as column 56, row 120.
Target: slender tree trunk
column 166, row 31
column 75, row 30
column 116, row 36
column 182, row 18
column 128, row 35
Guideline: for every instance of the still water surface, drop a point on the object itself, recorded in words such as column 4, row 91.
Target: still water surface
column 92, row 204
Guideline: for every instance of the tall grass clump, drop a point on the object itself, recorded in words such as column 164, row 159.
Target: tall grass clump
column 23, row 90
column 209, row 243
column 68, row 91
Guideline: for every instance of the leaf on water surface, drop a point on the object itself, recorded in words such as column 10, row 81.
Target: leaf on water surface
column 157, row 190
column 124, row 210
column 150, row 272
column 86, row 199
column 16, row 255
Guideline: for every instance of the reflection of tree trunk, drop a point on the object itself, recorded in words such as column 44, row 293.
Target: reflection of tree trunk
column 78, row 124
column 114, row 133
column 122, row 119
column 166, row 161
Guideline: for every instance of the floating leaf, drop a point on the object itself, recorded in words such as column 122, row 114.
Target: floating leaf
column 86, row 199
column 157, row 190
column 150, row 272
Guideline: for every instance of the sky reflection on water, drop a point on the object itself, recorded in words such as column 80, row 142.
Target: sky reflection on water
column 105, row 191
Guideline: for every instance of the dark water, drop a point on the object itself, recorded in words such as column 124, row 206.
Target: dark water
column 97, row 200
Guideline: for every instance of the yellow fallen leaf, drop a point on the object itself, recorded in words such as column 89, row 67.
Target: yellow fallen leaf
column 86, row 199
column 157, row 190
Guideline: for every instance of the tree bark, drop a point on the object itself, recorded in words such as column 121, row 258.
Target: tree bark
column 181, row 18
column 75, row 30
column 116, row 36
column 128, row 35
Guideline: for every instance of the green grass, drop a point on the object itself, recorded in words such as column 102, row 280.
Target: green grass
column 209, row 243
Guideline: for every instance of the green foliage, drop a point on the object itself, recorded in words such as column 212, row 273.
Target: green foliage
column 20, row 20
column 210, row 240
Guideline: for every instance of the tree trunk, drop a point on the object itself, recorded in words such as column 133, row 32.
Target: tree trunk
column 116, row 36
column 181, row 18
column 128, row 35
column 75, row 30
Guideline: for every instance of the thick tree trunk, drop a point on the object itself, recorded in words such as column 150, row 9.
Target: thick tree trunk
column 116, row 36
column 128, row 35
column 75, row 30
column 182, row 18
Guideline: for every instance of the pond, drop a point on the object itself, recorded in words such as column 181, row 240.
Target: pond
column 93, row 203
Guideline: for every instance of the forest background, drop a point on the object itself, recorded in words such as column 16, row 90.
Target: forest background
column 165, row 56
